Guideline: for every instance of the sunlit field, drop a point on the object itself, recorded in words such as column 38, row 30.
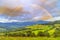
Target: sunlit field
column 29, row 38
column 36, row 32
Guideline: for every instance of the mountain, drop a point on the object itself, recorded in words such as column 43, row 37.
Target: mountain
column 10, row 25
column 16, row 24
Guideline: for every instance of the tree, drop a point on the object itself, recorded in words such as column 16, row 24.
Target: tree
column 30, row 34
column 57, row 32
column 43, row 34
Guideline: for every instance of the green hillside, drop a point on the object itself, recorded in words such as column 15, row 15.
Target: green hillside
column 49, row 30
column 36, row 30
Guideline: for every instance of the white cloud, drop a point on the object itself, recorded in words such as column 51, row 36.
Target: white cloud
column 53, row 19
column 6, row 20
column 36, row 18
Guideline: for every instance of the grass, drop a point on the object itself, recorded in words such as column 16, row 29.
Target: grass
column 34, row 29
column 29, row 38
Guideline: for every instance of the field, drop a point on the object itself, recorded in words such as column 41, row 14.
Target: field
column 29, row 38
column 33, row 32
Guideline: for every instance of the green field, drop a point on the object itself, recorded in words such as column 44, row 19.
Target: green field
column 33, row 32
column 28, row 38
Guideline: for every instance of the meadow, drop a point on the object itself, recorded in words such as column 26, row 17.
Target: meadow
column 33, row 32
column 29, row 38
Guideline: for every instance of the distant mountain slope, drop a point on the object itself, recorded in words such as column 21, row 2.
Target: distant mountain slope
column 9, row 25
column 20, row 24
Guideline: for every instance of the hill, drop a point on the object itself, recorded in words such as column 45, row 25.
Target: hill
column 10, row 25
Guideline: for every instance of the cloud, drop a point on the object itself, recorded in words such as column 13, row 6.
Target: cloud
column 9, row 21
column 11, row 12
column 53, row 19
column 15, row 8
column 4, row 20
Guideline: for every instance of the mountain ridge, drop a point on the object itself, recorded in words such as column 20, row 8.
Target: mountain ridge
column 21, row 24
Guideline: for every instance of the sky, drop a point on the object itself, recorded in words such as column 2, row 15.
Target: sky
column 29, row 10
